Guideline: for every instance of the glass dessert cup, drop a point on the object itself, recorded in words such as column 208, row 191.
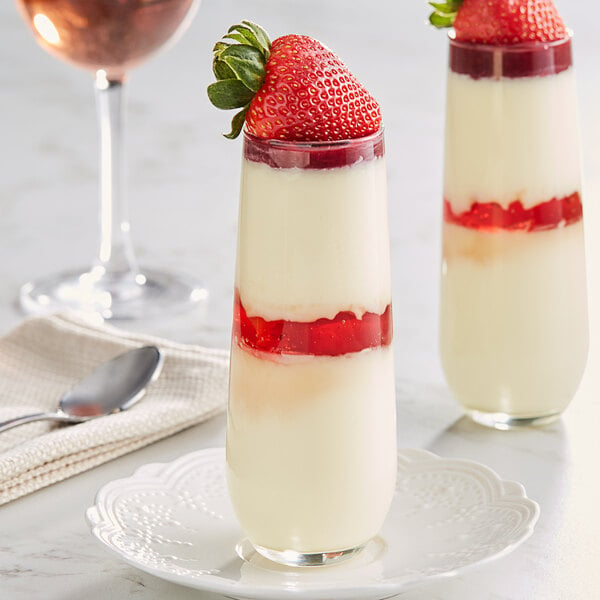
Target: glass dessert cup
column 311, row 427
column 108, row 38
column 513, row 327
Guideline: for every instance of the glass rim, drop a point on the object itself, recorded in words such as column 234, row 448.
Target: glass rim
column 320, row 145
column 534, row 45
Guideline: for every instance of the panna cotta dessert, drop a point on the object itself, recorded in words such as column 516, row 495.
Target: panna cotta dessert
column 311, row 427
column 513, row 329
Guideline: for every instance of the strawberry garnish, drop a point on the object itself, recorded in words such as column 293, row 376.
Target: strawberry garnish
column 500, row 22
column 293, row 89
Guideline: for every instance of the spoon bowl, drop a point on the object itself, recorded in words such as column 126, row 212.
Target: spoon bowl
column 114, row 386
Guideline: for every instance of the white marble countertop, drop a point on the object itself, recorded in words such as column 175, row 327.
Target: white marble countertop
column 183, row 180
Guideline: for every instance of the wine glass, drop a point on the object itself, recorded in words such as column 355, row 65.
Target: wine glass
column 109, row 37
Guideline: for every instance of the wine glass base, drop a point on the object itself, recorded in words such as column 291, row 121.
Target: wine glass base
column 120, row 296
column 504, row 421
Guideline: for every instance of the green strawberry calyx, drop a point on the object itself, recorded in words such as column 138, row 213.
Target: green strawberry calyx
column 444, row 13
column 239, row 66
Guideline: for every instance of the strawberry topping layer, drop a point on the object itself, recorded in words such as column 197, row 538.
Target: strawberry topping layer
column 343, row 334
column 490, row 216
column 525, row 60
column 288, row 155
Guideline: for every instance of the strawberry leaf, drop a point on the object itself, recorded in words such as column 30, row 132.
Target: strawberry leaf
column 238, row 38
column 251, row 35
column 239, row 66
column 247, row 63
column 221, row 70
column 243, row 36
column 237, row 123
column 219, row 47
column 444, row 13
column 260, row 34
column 441, row 21
column 446, row 8
column 229, row 93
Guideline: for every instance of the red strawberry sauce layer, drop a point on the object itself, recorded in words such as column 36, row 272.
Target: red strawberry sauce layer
column 280, row 154
column 534, row 59
column 490, row 216
column 343, row 334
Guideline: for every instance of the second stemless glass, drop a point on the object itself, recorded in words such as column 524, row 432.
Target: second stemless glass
column 514, row 330
column 311, row 434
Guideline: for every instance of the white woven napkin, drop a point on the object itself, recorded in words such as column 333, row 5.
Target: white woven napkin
column 44, row 356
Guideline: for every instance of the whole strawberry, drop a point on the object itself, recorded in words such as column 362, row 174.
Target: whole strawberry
column 293, row 89
column 500, row 22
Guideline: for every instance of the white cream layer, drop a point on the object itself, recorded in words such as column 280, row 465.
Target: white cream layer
column 514, row 330
column 511, row 139
column 311, row 448
column 313, row 243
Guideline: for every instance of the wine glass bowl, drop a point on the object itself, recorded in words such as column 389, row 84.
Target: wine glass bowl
column 109, row 38
column 113, row 35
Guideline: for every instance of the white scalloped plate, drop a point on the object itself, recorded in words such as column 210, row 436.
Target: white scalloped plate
column 175, row 521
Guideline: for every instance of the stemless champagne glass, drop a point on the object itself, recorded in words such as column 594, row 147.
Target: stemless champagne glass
column 311, row 430
column 109, row 37
column 514, row 330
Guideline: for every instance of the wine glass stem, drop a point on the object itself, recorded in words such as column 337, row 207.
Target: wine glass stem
column 116, row 254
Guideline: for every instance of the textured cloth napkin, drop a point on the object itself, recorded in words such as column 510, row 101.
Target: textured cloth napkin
column 45, row 356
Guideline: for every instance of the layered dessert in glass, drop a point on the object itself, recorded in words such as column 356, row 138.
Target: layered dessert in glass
column 311, row 423
column 514, row 329
column 311, row 436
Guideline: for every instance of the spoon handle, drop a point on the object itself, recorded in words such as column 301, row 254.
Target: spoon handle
column 29, row 418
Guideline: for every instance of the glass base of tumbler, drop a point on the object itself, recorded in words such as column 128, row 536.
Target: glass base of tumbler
column 125, row 296
column 292, row 558
column 504, row 421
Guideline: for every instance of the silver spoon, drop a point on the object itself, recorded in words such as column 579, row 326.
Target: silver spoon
column 113, row 386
